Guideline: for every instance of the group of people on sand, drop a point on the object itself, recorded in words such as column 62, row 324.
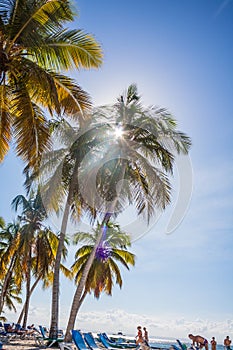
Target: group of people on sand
column 142, row 338
column 198, row 342
column 12, row 328
column 201, row 342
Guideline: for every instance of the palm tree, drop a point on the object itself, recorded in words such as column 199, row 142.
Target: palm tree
column 9, row 260
column 63, row 165
column 35, row 47
column 43, row 259
column 12, row 295
column 104, row 268
column 141, row 153
column 121, row 142
column 38, row 244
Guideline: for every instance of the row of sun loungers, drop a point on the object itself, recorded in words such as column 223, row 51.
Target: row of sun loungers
column 82, row 341
column 86, row 341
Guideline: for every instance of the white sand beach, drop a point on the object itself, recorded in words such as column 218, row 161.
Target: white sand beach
column 18, row 344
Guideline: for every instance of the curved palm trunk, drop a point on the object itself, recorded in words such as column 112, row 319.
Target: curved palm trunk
column 6, row 283
column 31, row 291
column 53, row 332
column 78, row 297
column 77, row 300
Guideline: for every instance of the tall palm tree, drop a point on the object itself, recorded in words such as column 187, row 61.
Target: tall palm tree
column 35, row 46
column 63, row 165
column 124, row 144
column 104, row 269
column 132, row 165
column 37, row 242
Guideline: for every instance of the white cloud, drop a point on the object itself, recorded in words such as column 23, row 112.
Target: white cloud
column 115, row 320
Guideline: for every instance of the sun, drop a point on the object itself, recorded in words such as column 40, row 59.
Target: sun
column 118, row 132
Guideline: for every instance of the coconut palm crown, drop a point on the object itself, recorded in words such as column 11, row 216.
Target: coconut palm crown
column 35, row 47
column 132, row 158
column 102, row 273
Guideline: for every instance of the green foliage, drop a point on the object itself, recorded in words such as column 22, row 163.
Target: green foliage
column 35, row 46
column 103, row 274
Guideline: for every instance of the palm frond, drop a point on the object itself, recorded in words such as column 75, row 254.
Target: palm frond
column 74, row 48
column 72, row 98
column 30, row 128
column 36, row 19
column 5, row 121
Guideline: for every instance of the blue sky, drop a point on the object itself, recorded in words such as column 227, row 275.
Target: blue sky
column 180, row 55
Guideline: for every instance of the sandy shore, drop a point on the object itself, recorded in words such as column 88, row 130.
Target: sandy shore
column 17, row 344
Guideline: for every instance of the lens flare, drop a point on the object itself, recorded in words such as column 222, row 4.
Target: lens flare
column 118, row 132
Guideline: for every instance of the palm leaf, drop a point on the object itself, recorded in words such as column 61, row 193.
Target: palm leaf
column 6, row 121
column 30, row 128
column 74, row 48
column 37, row 18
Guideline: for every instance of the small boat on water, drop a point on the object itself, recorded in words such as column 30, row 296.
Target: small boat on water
column 119, row 333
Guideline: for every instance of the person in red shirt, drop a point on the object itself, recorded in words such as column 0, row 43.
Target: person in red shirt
column 139, row 337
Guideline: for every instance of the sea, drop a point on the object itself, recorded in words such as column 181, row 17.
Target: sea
column 165, row 343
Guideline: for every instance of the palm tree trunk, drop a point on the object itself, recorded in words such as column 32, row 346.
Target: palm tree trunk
column 77, row 302
column 78, row 294
column 83, row 297
column 78, row 298
column 31, row 291
column 6, row 283
column 56, row 279
column 28, row 288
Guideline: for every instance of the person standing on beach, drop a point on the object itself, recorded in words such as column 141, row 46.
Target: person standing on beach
column 146, row 338
column 139, row 337
column 227, row 343
column 199, row 341
column 213, row 344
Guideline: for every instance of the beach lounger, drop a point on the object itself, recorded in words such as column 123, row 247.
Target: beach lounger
column 41, row 340
column 120, row 343
column 111, row 346
column 66, row 346
column 173, row 346
column 79, row 340
column 182, row 346
column 89, row 339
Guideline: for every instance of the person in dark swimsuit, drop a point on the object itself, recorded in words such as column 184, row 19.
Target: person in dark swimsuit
column 146, row 338
column 227, row 343
column 213, row 344
column 199, row 341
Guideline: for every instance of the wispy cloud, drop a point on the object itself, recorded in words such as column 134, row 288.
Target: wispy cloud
column 221, row 7
column 114, row 320
column 174, row 326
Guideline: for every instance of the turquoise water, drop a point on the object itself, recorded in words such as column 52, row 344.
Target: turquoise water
column 167, row 344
